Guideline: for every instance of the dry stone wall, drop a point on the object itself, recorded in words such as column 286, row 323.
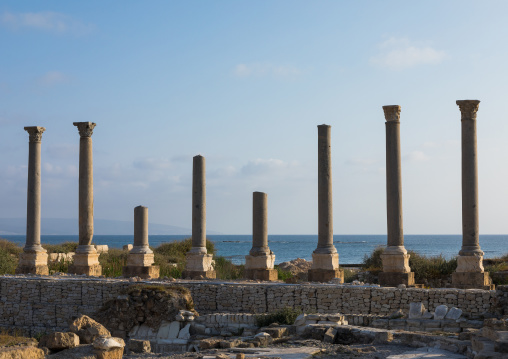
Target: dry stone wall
column 42, row 304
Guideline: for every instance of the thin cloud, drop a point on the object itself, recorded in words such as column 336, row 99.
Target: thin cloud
column 398, row 54
column 263, row 166
column 361, row 161
column 52, row 78
column 46, row 21
column 152, row 164
column 265, row 70
column 416, row 156
column 63, row 151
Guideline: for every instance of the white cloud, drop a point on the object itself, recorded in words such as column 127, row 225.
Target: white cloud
column 265, row 69
column 416, row 156
column 400, row 53
column 52, row 78
column 152, row 164
column 45, row 20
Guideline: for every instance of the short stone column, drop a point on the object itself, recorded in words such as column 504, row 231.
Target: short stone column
column 34, row 259
column 470, row 272
column 325, row 259
column 86, row 259
column 199, row 263
column 395, row 258
column 259, row 263
column 141, row 258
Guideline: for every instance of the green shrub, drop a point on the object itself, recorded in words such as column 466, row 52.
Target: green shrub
column 177, row 250
column 113, row 262
column 10, row 247
column 225, row 269
column 283, row 274
column 65, row 247
column 286, row 315
column 61, row 266
column 349, row 275
column 373, row 261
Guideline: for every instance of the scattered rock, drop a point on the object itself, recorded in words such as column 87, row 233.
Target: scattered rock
column 329, row 336
column 396, row 315
column 106, row 343
column 296, row 266
column 440, row 312
column 453, row 313
column 139, row 346
column 88, row 329
column 416, row 310
column 59, row 341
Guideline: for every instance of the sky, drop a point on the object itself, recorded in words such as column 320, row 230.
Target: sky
column 245, row 84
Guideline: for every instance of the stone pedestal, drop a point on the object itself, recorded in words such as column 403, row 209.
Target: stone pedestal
column 325, row 267
column 33, row 263
column 470, row 273
column 199, row 265
column 393, row 279
column 260, row 267
column 86, row 261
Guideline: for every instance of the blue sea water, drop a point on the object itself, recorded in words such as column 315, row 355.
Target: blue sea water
column 351, row 248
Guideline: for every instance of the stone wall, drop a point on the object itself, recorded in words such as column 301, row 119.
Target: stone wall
column 39, row 304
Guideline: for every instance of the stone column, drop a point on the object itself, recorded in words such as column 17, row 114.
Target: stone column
column 199, row 263
column 470, row 272
column 325, row 259
column 86, row 259
column 34, row 259
column 141, row 258
column 395, row 258
column 260, row 261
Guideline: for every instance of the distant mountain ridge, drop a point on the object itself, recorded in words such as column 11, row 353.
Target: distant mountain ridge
column 63, row 226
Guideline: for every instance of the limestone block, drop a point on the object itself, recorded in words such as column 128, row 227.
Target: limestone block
column 300, row 320
column 470, row 280
column 59, row 341
column 470, row 263
column 329, row 336
column 107, row 343
column 86, row 259
column 199, row 262
column 440, row 312
column 416, row 310
column 395, row 263
column 454, row 313
column 33, row 259
column 102, row 248
column 127, row 247
column 140, row 259
column 113, row 353
column 261, row 274
column 139, row 346
column 184, row 332
column 325, row 261
column 88, row 329
column 394, row 279
column 146, row 272
column 266, row 261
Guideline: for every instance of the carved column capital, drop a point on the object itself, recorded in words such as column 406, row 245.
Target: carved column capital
column 392, row 113
column 35, row 133
column 85, row 128
column 468, row 109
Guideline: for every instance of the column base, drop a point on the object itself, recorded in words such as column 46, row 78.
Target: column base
column 196, row 274
column 145, row 272
column 199, row 265
column 140, row 259
column 393, row 279
column 260, row 262
column 33, row 263
column 395, row 262
column 261, row 274
column 325, row 275
column 472, row 280
column 86, row 263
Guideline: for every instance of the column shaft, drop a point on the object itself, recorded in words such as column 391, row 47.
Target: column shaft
column 259, row 224
column 198, row 206
column 470, row 224
column 141, row 226
column 85, row 191
column 325, row 212
column 393, row 184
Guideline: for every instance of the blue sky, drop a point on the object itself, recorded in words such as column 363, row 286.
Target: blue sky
column 245, row 83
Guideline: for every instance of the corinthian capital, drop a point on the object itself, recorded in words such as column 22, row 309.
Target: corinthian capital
column 35, row 133
column 85, row 128
column 468, row 109
column 392, row 113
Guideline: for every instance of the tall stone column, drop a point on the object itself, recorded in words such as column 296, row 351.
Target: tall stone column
column 199, row 263
column 259, row 264
column 34, row 258
column 395, row 258
column 470, row 272
column 325, row 259
column 86, row 259
column 141, row 258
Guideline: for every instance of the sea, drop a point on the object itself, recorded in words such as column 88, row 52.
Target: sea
column 351, row 248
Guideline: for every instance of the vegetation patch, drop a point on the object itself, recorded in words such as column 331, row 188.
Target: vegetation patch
column 287, row 315
column 65, row 247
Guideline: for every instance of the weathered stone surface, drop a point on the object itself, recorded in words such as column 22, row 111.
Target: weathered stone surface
column 416, row 310
column 79, row 352
column 21, row 353
column 107, row 343
column 88, row 329
column 139, row 346
column 440, row 312
column 329, row 336
column 59, row 341
column 210, row 343
column 453, row 313
column 184, row 332
column 113, row 353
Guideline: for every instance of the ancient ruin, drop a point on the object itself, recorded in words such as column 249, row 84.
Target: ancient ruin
column 470, row 272
column 260, row 261
column 34, row 258
column 325, row 259
column 199, row 263
column 395, row 258
column 141, row 258
column 86, row 259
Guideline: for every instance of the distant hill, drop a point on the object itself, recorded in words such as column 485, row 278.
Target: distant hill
column 59, row 226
